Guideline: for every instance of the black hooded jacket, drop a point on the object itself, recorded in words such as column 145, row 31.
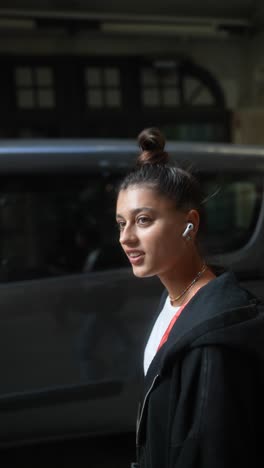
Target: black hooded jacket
column 204, row 390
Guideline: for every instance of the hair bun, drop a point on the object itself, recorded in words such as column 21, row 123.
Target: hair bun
column 152, row 143
column 151, row 139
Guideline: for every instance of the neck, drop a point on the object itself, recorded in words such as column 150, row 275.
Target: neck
column 183, row 282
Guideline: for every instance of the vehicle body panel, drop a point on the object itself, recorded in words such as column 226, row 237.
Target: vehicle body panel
column 71, row 346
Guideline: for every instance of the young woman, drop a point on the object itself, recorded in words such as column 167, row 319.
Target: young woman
column 203, row 360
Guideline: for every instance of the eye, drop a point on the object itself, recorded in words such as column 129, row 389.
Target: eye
column 121, row 225
column 143, row 220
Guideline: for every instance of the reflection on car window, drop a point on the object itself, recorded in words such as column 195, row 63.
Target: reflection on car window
column 231, row 211
column 57, row 225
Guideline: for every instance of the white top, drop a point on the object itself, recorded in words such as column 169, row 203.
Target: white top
column 158, row 330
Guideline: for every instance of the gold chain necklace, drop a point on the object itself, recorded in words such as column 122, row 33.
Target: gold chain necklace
column 174, row 299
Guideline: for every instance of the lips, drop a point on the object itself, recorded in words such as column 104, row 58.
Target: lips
column 135, row 256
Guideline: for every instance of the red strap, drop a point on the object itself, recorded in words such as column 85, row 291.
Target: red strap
column 172, row 322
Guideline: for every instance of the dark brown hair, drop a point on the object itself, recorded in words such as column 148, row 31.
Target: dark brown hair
column 152, row 143
column 153, row 169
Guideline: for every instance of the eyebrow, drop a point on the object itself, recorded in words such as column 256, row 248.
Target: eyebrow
column 137, row 210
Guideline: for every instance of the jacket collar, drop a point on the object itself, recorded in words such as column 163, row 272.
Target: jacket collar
column 220, row 302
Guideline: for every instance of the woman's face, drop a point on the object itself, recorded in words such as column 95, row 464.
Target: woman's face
column 150, row 231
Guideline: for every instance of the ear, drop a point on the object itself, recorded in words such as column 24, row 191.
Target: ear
column 193, row 217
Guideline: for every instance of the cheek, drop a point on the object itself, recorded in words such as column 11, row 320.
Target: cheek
column 171, row 235
column 165, row 242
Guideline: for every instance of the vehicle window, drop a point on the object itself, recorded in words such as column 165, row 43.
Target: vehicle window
column 232, row 208
column 57, row 225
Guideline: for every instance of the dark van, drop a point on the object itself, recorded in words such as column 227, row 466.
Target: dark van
column 73, row 318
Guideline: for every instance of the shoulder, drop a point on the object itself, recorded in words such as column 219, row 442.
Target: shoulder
column 214, row 368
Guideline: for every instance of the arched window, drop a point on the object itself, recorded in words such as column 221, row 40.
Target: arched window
column 184, row 99
column 178, row 83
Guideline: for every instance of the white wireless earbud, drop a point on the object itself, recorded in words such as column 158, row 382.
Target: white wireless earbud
column 188, row 228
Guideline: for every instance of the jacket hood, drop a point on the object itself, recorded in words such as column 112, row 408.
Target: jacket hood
column 221, row 313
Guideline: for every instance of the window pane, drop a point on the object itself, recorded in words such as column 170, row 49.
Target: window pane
column 95, row 98
column 149, row 77
column 170, row 97
column 58, row 225
column 25, row 99
column 113, row 98
column 233, row 208
column 204, row 98
column 44, row 76
column 191, row 89
column 93, row 76
column 46, row 98
column 196, row 93
column 151, row 97
column 23, row 76
column 111, row 77
column 170, row 78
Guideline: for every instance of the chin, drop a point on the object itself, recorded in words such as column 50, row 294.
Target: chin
column 141, row 273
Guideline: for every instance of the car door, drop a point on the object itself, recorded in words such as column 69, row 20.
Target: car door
column 73, row 317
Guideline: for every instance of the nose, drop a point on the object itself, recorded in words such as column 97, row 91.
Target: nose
column 128, row 236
